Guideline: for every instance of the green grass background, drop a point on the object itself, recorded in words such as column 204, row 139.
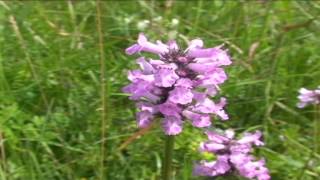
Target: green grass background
column 50, row 104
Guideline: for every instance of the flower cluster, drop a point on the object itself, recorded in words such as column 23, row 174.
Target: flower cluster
column 177, row 86
column 307, row 97
column 232, row 155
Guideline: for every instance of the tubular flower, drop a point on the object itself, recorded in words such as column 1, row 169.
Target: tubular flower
column 178, row 85
column 232, row 155
column 307, row 97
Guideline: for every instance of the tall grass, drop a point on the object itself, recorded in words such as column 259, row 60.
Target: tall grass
column 52, row 85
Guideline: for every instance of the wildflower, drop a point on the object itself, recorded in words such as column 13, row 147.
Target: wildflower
column 307, row 97
column 178, row 84
column 232, row 155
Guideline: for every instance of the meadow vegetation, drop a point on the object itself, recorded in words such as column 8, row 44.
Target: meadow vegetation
column 50, row 85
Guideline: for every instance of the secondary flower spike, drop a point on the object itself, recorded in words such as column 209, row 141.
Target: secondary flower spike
column 232, row 156
column 177, row 86
column 307, row 97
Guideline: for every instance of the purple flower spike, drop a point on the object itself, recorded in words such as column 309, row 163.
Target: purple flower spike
column 198, row 120
column 169, row 109
column 172, row 125
column 214, row 168
column 232, row 155
column 180, row 95
column 144, row 118
column 252, row 138
column 165, row 78
column 177, row 87
column 144, row 45
column 307, row 97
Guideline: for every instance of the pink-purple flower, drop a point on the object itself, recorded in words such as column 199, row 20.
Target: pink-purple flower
column 232, row 156
column 307, row 97
column 178, row 85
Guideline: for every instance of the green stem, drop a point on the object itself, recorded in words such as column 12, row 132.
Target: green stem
column 317, row 129
column 167, row 167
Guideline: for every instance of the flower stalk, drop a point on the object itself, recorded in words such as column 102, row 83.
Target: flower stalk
column 168, row 152
column 317, row 128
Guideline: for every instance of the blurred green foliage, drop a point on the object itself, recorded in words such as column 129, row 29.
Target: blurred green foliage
column 50, row 104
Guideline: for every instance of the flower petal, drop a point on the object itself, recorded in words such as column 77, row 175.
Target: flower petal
column 172, row 125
